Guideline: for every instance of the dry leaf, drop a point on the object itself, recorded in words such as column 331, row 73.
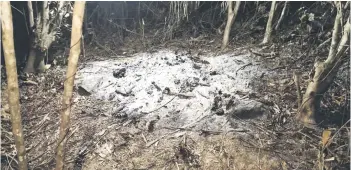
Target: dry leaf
column 284, row 166
column 325, row 137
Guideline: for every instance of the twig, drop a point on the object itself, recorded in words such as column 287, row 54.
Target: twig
column 205, row 131
column 163, row 104
column 337, row 132
column 298, row 58
column 242, row 67
column 322, row 44
column 281, row 16
column 40, row 124
column 259, row 54
column 159, row 107
column 123, row 94
column 12, row 159
column 305, row 134
column 298, row 89
column 17, row 10
column 105, row 48
column 185, row 126
column 163, row 136
column 25, row 21
column 30, row 82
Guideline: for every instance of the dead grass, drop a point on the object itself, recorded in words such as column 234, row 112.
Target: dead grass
column 186, row 152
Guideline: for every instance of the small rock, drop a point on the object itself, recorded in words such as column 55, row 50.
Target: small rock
column 219, row 112
column 193, row 82
column 166, row 91
column 247, row 110
column 111, row 96
column 213, row 73
column 195, row 66
column 168, row 63
column 217, row 103
column 226, row 95
column 231, row 103
column 119, row 73
column 176, row 81
column 83, row 92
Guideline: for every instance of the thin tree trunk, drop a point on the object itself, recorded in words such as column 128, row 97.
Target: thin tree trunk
column 335, row 38
column 231, row 18
column 45, row 38
column 267, row 35
column 12, row 83
column 44, row 35
column 281, row 16
column 78, row 15
column 324, row 74
column 41, row 66
column 30, row 60
column 30, row 14
column 32, row 53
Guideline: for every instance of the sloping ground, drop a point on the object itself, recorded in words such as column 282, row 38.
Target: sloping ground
column 121, row 120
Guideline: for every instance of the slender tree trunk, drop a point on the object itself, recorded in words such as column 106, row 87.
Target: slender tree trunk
column 30, row 61
column 32, row 53
column 78, row 15
column 324, row 73
column 30, row 15
column 43, row 36
column 267, row 35
column 231, row 18
column 281, row 16
column 12, row 83
column 41, row 66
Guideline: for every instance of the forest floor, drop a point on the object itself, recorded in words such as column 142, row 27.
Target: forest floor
column 180, row 105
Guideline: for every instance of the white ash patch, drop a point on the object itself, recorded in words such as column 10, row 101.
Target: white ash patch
column 149, row 78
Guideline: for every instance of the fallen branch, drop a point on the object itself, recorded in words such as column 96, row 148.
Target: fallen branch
column 242, row 67
column 298, row 89
column 270, row 55
column 29, row 82
column 321, row 45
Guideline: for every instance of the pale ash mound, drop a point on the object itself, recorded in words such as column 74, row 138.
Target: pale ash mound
column 176, row 90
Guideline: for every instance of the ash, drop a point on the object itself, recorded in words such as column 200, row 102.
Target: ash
column 176, row 90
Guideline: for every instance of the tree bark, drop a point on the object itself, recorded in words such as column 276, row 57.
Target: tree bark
column 281, row 16
column 335, row 38
column 267, row 35
column 324, row 74
column 77, row 23
column 231, row 18
column 31, row 57
column 30, row 61
column 44, row 35
column 30, row 15
column 12, row 83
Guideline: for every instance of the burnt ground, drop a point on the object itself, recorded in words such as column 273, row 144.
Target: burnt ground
column 108, row 132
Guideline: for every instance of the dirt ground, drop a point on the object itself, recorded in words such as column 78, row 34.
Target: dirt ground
column 100, row 140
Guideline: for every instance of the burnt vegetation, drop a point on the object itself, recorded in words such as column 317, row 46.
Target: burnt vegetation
column 296, row 115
